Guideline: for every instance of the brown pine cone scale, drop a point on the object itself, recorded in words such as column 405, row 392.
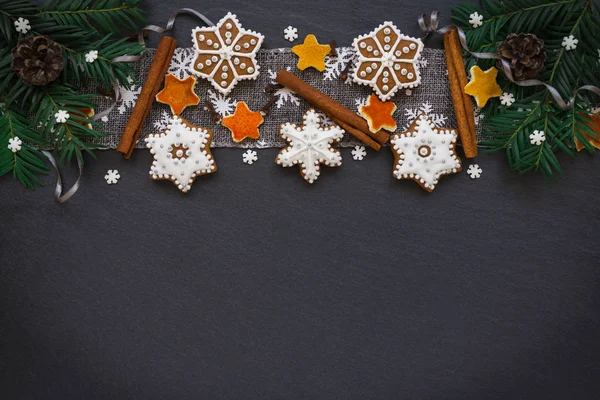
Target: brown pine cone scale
column 525, row 53
column 37, row 60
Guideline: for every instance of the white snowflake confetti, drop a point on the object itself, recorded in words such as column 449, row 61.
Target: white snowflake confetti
column 249, row 157
column 474, row 171
column 104, row 119
column 507, row 99
column 476, row 19
column 181, row 63
column 537, row 137
column 359, row 153
column 112, row 176
column 61, row 116
column 221, row 103
column 22, row 25
column 309, row 146
column 162, row 124
column 569, row 42
column 290, row 33
column 128, row 96
column 284, row 95
column 335, row 65
column 14, row 144
column 91, row 56
column 426, row 108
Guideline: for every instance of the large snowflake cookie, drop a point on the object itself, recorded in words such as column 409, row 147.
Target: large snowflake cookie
column 181, row 153
column 387, row 60
column 310, row 145
column 226, row 53
column 424, row 152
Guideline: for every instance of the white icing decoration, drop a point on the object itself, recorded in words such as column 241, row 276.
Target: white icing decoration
column 410, row 75
column 250, row 70
column 199, row 159
column 201, row 38
column 433, row 155
column 310, row 145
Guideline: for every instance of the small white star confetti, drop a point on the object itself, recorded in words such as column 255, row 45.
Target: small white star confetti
column 91, row 56
column 474, row 171
column 22, row 25
column 61, row 116
column 14, row 144
column 359, row 153
column 569, row 42
column 537, row 137
column 507, row 99
column 249, row 157
column 112, row 176
column 290, row 33
column 476, row 19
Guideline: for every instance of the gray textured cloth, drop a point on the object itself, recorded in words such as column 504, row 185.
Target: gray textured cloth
column 432, row 97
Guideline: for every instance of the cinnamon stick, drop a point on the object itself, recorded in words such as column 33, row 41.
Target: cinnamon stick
column 357, row 134
column 156, row 73
column 329, row 106
column 463, row 106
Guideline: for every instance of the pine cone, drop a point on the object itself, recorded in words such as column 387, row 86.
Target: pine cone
column 37, row 60
column 525, row 54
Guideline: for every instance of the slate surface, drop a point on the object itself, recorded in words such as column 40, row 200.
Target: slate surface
column 257, row 285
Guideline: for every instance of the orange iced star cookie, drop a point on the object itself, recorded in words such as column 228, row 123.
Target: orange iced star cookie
column 378, row 114
column 594, row 124
column 178, row 93
column 483, row 85
column 311, row 53
column 243, row 122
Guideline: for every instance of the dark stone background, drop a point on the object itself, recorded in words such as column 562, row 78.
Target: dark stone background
column 257, row 285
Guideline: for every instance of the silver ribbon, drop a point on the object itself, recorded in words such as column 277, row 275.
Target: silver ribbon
column 430, row 25
column 61, row 198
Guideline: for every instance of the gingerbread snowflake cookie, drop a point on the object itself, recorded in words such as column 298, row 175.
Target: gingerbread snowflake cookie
column 424, row 152
column 387, row 60
column 310, row 146
column 181, row 153
column 226, row 53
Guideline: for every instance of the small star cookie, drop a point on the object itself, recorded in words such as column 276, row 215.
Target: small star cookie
column 178, row 93
column 594, row 124
column 181, row 153
column 311, row 54
column 378, row 114
column 310, row 146
column 243, row 122
column 226, row 53
column 424, row 152
column 483, row 85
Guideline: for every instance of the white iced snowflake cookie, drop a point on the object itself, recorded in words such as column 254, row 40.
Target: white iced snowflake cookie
column 181, row 153
column 310, row 145
column 226, row 53
column 424, row 152
column 387, row 60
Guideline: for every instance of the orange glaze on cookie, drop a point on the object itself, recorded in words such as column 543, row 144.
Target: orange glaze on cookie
column 178, row 93
column 379, row 114
column 243, row 122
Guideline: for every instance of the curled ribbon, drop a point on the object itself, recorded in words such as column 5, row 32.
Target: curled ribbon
column 430, row 25
column 60, row 197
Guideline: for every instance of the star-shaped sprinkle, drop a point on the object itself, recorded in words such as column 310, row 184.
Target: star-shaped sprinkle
column 290, row 33
column 22, row 25
column 91, row 56
column 14, row 144
column 378, row 114
column 537, row 137
column 311, row 54
column 310, row 145
column 181, row 153
column 61, row 116
column 483, row 85
column 112, row 176
column 569, row 42
column 424, row 152
column 178, row 93
column 507, row 99
column 249, row 157
column 474, row 171
column 243, row 122
column 359, row 152
column 476, row 19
